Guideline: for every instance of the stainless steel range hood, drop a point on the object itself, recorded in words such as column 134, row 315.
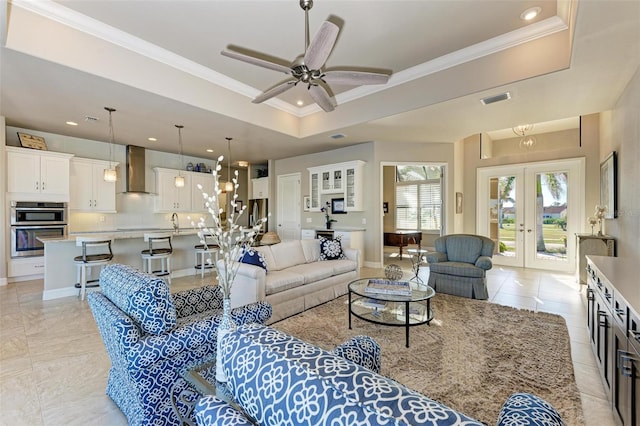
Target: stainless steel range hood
column 136, row 170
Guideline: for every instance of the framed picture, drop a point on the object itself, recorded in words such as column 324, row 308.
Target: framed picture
column 337, row 206
column 608, row 186
column 306, row 203
column 458, row 202
column 238, row 206
column 30, row 141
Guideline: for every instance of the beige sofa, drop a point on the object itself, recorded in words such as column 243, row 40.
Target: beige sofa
column 295, row 280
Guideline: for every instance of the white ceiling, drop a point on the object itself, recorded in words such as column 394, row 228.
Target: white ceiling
column 159, row 64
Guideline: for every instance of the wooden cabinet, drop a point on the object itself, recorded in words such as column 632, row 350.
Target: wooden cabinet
column 599, row 245
column 614, row 331
column 42, row 174
column 89, row 192
column 171, row 198
column 260, row 187
column 344, row 179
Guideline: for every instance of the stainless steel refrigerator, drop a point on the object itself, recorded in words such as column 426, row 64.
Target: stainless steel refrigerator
column 258, row 208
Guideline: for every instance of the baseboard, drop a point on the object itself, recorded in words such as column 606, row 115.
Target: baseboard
column 59, row 292
column 3, row 282
column 374, row 265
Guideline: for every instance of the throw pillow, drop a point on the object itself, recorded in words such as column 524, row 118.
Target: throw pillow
column 253, row 257
column 331, row 249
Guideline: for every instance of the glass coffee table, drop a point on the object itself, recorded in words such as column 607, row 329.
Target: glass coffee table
column 391, row 310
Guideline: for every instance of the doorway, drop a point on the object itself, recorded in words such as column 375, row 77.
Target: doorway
column 412, row 202
column 532, row 211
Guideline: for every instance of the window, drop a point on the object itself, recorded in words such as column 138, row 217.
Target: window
column 419, row 198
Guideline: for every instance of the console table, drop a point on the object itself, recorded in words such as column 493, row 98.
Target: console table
column 596, row 245
column 613, row 321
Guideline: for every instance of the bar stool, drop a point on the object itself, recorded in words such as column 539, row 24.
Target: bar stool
column 159, row 249
column 96, row 251
column 204, row 252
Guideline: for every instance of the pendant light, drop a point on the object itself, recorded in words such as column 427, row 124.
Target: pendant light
column 110, row 175
column 179, row 180
column 228, row 186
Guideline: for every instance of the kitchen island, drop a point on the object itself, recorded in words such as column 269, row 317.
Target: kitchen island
column 60, row 270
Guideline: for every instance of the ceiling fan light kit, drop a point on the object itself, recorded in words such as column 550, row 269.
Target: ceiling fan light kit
column 308, row 68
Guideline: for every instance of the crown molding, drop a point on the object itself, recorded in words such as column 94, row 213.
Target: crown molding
column 93, row 27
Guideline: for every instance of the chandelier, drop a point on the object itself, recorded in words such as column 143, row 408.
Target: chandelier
column 526, row 142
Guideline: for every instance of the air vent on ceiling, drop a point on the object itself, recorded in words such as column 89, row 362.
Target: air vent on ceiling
column 338, row 136
column 497, row 98
column 90, row 119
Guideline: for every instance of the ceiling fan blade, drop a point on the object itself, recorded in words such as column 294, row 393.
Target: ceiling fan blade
column 321, row 45
column 321, row 97
column 275, row 91
column 355, row 78
column 255, row 61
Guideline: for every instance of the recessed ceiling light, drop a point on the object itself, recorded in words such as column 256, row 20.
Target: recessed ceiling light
column 300, row 103
column 72, row 123
column 209, row 150
column 152, row 139
column 243, row 164
column 530, row 13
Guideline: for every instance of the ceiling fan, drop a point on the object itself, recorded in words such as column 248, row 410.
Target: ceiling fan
column 307, row 68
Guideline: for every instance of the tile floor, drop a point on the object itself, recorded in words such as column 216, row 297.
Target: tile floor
column 53, row 365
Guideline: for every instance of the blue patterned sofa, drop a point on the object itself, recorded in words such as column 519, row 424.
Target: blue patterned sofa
column 151, row 336
column 280, row 380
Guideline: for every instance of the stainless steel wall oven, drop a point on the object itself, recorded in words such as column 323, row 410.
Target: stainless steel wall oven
column 32, row 219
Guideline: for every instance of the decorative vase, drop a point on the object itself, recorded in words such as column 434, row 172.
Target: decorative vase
column 328, row 225
column 227, row 325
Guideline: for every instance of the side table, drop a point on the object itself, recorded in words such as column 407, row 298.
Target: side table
column 596, row 245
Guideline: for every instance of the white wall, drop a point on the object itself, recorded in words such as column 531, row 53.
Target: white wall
column 620, row 132
column 4, row 208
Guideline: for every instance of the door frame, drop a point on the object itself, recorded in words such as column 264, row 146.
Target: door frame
column 445, row 192
column 575, row 200
column 297, row 211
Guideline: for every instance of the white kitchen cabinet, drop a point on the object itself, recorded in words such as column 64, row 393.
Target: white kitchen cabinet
column 260, row 187
column 332, row 182
column 314, row 190
column 89, row 191
column 344, row 179
column 198, row 203
column 308, row 234
column 39, row 175
column 171, row 198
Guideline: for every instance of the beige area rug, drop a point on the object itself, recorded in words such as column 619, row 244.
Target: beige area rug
column 471, row 358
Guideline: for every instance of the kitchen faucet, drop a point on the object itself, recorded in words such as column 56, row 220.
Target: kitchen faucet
column 175, row 222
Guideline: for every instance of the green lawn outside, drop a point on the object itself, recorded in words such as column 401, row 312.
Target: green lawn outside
column 554, row 236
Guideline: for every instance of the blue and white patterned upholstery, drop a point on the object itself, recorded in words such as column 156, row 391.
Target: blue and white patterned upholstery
column 252, row 256
column 279, row 380
column 525, row 409
column 363, row 350
column 212, row 410
column 147, row 367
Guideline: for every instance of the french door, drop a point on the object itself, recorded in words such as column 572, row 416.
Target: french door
column 532, row 211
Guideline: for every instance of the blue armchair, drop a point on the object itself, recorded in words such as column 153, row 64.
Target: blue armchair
column 459, row 265
column 152, row 336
